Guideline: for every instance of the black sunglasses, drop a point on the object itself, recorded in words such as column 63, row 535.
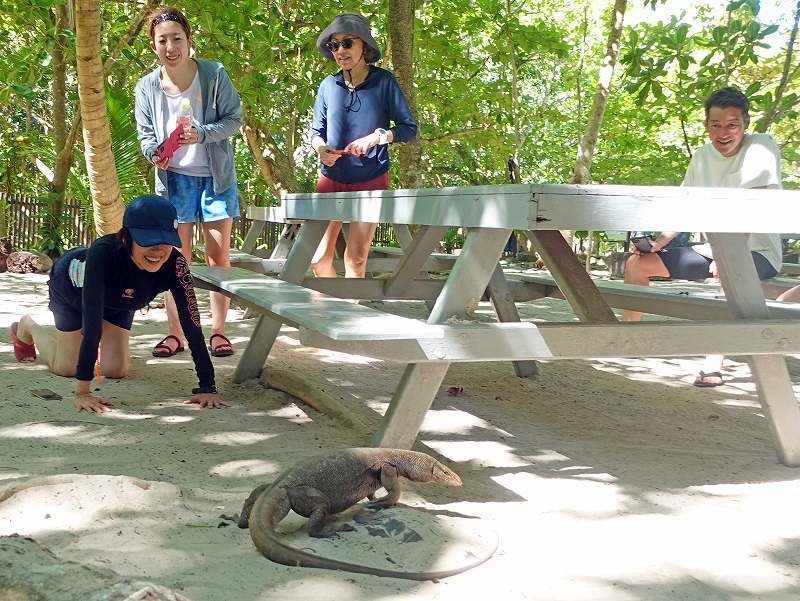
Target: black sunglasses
column 346, row 43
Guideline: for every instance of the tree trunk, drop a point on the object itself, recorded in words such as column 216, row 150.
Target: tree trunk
column 513, row 163
column 583, row 163
column 276, row 168
column 401, row 45
column 106, row 197
column 59, row 89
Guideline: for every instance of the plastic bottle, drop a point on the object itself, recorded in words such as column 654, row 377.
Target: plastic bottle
column 185, row 115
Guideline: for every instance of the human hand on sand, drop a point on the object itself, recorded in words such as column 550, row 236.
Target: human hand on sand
column 85, row 401
column 207, row 399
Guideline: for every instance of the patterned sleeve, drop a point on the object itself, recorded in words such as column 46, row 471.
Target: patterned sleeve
column 98, row 265
column 182, row 289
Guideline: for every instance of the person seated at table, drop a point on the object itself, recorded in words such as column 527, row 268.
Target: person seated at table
column 351, row 133
column 792, row 295
column 732, row 158
column 95, row 292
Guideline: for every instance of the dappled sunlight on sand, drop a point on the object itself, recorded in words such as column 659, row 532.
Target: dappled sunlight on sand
column 41, row 430
column 721, row 542
column 566, row 495
column 292, row 413
column 175, row 419
column 455, row 421
column 125, row 415
column 234, row 439
column 246, row 468
column 480, row 454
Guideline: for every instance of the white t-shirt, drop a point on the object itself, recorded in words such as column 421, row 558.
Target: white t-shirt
column 756, row 165
column 191, row 159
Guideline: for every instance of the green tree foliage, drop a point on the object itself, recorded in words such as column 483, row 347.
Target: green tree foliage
column 672, row 66
column 465, row 58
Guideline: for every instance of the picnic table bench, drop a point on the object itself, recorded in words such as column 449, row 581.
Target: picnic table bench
column 648, row 299
column 489, row 214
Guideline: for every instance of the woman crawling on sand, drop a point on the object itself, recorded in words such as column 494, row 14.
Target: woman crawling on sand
column 95, row 292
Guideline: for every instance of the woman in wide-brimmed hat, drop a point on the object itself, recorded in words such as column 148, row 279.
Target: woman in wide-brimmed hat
column 359, row 111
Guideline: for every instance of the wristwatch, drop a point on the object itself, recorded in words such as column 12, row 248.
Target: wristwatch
column 383, row 136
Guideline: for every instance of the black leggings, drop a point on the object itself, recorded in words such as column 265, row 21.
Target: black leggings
column 684, row 263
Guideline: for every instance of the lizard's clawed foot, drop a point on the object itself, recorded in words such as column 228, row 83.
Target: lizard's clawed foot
column 331, row 531
column 379, row 504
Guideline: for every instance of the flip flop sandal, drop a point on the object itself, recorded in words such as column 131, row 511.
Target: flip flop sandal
column 162, row 349
column 701, row 381
column 223, row 349
column 24, row 352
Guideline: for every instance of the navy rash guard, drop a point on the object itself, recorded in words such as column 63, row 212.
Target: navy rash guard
column 341, row 116
column 112, row 280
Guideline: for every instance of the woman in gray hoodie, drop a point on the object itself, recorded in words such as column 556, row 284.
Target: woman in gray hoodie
column 186, row 111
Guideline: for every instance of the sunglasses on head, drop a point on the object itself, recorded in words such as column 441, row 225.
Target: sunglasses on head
column 346, row 43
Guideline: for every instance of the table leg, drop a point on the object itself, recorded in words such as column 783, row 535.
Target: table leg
column 403, row 234
column 284, row 245
column 500, row 295
column 256, row 229
column 573, row 281
column 470, row 275
column 746, row 300
column 294, row 270
column 410, row 402
column 414, row 258
column 460, row 295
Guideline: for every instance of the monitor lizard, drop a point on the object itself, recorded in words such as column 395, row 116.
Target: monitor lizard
column 321, row 486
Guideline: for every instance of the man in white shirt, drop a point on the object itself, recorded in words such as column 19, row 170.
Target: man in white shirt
column 732, row 159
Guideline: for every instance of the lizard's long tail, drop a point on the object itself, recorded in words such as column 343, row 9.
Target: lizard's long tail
column 268, row 543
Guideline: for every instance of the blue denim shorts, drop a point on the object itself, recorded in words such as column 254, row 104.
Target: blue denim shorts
column 194, row 198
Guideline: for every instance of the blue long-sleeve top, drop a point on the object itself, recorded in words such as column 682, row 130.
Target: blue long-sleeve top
column 341, row 116
column 113, row 280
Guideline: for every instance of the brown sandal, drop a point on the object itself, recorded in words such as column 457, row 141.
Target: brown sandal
column 162, row 349
column 223, row 349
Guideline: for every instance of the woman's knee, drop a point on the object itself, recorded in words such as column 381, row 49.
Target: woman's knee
column 218, row 259
column 356, row 257
column 115, row 365
column 633, row 266
column 117, row 372
column 64, row 368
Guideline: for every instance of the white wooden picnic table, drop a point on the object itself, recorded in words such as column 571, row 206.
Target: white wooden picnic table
column 490, row 214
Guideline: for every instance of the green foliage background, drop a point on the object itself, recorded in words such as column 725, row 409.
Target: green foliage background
column 463, row 57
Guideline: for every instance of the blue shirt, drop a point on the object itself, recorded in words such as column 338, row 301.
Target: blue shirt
column 342, row 116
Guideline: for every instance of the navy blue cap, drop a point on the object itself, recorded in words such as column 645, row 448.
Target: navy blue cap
column 151, row 219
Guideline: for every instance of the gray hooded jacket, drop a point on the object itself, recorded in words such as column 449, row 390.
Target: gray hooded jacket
column 222, row 116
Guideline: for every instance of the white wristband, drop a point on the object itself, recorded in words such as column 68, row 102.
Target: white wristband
column 383, row 136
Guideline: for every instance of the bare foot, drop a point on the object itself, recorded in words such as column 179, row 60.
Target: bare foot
column 24, row 329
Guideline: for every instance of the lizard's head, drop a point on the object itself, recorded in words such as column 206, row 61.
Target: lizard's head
column 444, row 475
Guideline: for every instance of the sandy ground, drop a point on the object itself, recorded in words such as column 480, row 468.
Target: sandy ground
column 602, row 480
